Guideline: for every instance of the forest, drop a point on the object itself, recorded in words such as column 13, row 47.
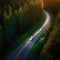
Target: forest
column 16, row 17
column 51, row 49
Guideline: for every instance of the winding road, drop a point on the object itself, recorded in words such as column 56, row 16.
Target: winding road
column 22, row 51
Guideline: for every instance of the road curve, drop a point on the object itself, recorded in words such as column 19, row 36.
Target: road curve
column 22, row 51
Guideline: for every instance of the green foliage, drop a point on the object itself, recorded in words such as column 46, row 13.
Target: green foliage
column 16, row 17
column 1, row 36
column 51, row 48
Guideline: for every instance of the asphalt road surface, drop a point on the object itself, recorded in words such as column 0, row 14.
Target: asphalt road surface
column 22, row 51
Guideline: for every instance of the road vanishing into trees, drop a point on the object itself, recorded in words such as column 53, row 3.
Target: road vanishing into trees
column 22, row 51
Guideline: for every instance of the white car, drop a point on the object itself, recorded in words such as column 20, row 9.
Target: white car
column 41, row 28
column 31, row 38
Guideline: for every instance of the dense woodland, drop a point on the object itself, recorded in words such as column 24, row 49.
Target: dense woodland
column 51, row 50
column 16, row 17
